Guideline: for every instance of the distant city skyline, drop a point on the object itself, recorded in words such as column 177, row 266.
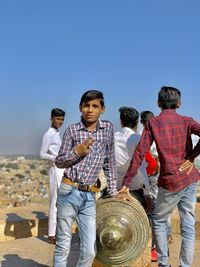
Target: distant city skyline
column 52, row 52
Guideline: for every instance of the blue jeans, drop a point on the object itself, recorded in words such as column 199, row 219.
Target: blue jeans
column 76, row 205
column 185, row 201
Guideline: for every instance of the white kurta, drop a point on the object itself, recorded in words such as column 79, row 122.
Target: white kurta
column 126, row 141
column 50, row 146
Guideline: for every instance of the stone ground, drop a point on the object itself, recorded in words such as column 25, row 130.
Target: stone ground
column 23, row 230
column 23, row 239
column 36, row 252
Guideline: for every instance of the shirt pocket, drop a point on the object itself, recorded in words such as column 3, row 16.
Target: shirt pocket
column 99, row 147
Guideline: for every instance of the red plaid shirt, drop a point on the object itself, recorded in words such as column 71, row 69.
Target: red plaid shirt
column 172, row 135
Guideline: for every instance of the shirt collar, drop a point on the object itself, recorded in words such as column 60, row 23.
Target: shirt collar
column 168, row 111
column 54, row 130
column 128, row 130
column 81, row 125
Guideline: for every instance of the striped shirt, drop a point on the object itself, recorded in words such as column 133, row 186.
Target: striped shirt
column 85, row 170
column 172, row 135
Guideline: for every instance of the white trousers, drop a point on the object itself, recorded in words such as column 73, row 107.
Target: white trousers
column 55, row 177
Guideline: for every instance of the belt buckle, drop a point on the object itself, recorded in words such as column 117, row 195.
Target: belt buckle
column 83, row 187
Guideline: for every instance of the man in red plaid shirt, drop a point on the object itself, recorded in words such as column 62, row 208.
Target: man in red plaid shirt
column 178, row 177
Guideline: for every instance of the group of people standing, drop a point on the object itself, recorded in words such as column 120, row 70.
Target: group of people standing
column 90, row 146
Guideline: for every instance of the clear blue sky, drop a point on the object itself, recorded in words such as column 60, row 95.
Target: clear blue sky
column 53, row 51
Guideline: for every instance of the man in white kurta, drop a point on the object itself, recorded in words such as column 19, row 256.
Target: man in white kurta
column 50, row 146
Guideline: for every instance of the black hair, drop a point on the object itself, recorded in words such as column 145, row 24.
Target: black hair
column 91, row 95
column 145, row 116
column 168, row 97
column 57, row 112
column 129, row 116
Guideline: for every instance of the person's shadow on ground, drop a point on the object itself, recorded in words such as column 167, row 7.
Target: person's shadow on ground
column 13, row 260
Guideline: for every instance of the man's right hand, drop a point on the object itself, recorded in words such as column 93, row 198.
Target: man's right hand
column 83, row 148
column 187, row 166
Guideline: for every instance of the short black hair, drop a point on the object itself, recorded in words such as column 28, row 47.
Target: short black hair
column 129, row 116
column 168, row 97
column 91, row 95
column 145, row 116
column 57, row 112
